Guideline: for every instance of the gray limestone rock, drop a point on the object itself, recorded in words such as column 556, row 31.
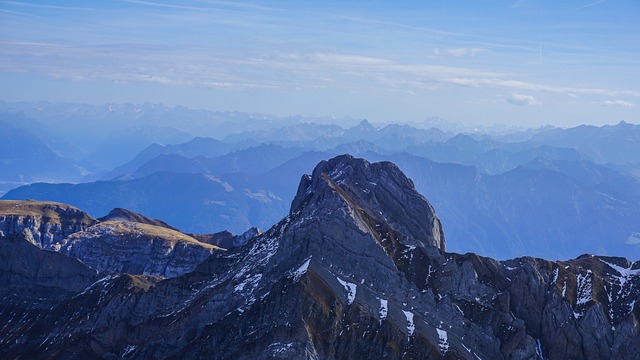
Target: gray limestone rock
column 117, row 246
column 356, row 270
column 49, row 222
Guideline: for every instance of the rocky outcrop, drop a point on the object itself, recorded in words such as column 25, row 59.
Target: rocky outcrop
column 356, row 270
column 119, row 214
column 48, row 222
column 375, row 193
column 117, row 246
column 227, row 240
column 122, row 241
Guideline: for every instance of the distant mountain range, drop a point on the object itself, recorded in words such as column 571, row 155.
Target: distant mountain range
column 549, row 192
column 24, row 158
column 584, row 207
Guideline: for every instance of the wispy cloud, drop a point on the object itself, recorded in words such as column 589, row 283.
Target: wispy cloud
column 622, row 103
column 520, row 99
column 529, row 86
column 321, row 49
column 164, row 5
column 461, row 52
column 588, row 5
column 45, row 6
column 204, row 66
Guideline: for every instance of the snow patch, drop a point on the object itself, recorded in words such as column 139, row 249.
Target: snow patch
column 458, row 307
column 351, row 289
column 411, row 327
column 625, row 273
column 539, row 349
column 443, row 340
column 280, row 348
column 620, row 293
column 129, row 349
column 384, row 309
column 252, row 281
column 585, row 288
column 555, row 276
column 301, row 270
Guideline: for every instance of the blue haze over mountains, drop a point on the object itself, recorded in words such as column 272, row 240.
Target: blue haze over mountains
column 548, row 192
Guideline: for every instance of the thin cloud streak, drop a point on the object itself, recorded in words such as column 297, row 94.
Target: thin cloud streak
column 588, row 5
column 197, row 66
column 42, row 6
column 622, row 103
column 326, row 52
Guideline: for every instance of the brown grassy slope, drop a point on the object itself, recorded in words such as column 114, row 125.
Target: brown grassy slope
column 56, row 212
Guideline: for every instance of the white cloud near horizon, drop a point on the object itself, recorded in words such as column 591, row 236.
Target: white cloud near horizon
column 460, row 52
column 623, row 103
column 522, row 100
column 203, row 67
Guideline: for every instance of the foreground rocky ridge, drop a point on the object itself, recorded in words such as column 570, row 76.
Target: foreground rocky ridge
column 357, row 269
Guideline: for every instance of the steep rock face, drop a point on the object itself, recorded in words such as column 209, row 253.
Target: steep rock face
column 117, row 246
column 49, row 222
column 346, row 275
column 24, row 265
column 122, row 241
column 33, row 280
column 375, row 193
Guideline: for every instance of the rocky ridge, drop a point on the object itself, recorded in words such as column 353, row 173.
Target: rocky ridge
column 358, row 269
column 130, row 216
column 117, row 246
column 121, row 242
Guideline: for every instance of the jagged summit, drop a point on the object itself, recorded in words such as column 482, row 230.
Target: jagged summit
column 376, row 193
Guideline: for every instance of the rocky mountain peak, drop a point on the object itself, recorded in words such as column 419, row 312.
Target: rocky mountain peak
column 356, row 270
column 378, row 194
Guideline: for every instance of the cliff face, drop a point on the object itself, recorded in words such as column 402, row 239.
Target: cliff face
column 356, row 270
column 48, row 222
column 117, row 246
column 121, row 242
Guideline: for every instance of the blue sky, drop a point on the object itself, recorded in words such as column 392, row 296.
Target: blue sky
column 520, row 62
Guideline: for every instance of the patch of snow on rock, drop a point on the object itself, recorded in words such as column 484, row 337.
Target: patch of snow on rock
column 351, row 289
column 301, row 270
column 384, row 309
column 443, row 340
column 411, row 327
column 584, row 288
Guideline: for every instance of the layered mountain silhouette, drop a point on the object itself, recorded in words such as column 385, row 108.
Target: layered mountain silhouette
column 24, row 158
column 545, row 207
column 357, row 269
column 547, row 192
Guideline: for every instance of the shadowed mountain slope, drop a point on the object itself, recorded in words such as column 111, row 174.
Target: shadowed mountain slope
column 356, row 270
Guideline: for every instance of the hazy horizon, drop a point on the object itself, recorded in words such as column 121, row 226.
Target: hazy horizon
column 517, row 63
